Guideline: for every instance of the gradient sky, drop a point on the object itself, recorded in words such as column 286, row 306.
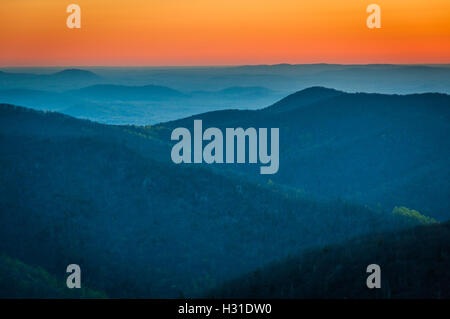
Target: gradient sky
column 222, row 32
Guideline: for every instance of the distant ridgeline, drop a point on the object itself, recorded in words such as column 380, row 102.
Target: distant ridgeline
column 214, row 150
column 110, row 199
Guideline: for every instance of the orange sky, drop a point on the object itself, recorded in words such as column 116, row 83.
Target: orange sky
column 222, row 32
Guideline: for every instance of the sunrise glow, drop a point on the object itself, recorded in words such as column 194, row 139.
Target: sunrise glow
column 222, row 32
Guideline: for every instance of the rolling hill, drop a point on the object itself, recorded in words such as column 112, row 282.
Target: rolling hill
column 380, row 150
column 104, row 197
column 414, row 264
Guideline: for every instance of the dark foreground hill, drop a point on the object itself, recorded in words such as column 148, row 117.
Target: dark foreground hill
column 381, row 150
column 19, row 280
column 103, row 197
column 414, row 264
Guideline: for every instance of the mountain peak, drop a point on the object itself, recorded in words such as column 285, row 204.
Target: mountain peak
column 318, row 89
column 76, row 73
column 304, row 97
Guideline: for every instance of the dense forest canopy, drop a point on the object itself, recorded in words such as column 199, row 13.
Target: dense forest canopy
column 110, row 199
column 79, row 192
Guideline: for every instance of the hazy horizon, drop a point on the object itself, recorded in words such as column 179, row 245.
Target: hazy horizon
column 219, row 65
